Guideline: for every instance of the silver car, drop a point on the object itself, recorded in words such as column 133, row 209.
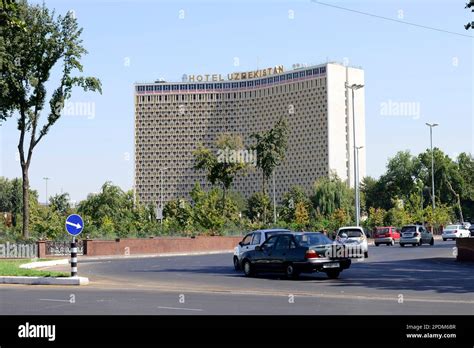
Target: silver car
column 415, row 235
column 251, row 240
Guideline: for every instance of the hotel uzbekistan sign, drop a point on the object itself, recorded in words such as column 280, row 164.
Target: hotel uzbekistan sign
column 234, row 76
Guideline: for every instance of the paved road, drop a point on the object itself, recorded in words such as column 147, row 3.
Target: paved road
column 393, row 280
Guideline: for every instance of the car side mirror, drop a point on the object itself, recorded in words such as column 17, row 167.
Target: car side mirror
column 258, row 248
column 241, row 244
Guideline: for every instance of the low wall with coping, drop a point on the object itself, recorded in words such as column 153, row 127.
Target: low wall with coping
column 133, row 246
column 465, row 248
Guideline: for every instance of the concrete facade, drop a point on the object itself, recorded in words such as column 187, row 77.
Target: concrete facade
column 172, row 119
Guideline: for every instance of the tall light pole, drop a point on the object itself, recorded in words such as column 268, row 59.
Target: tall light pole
column 353, row 88
column 161, row 192
column 274, row 201
column 357, row 187
column 432, row 125
column 46, row 184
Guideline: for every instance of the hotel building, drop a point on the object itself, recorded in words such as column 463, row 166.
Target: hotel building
column 172, row 119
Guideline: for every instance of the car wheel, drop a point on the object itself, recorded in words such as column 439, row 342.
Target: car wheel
column 376, row 244
column 290, row 271
column 402, row 245
column 366, row 254
column 420, row 243
column 236, row 263
column 444, row 239
column 432, row 241
column 333, row 274
column 248, row 268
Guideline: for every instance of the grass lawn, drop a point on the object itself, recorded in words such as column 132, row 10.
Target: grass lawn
column 12, row 268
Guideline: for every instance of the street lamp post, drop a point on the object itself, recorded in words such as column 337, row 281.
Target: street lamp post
column 46, row 184
column 161, row 193
column 353, row 88
column 432, row 125
column 274, row 201
column 357, row 187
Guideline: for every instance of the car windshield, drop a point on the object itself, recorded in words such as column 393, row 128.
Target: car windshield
column 452, row 227
column 312, row 239
column 383, row 230
column 272, row 233
column 351, row 233
column 409, row 229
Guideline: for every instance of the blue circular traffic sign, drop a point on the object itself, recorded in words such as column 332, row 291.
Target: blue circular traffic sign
column 74, row 224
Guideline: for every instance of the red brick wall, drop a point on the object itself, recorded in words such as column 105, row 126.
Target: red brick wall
column 465, row 249
column 134, row 246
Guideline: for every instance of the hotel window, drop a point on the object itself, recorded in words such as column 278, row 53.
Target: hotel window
column 322, row 70
column 289, row 76
column 295, row 75
column 192, row 87
column 264, row 81
column 283, row 78
column 235, row 85
column 183, row 87
column 209, row 86
column 309, row 72
column 302, row 73
column 201, row 86
column 174, row 87
column 316, row 71
column 242, row 84
column 218, row 85
column 226, row 85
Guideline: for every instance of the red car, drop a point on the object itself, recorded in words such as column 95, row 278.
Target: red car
column 386, row 235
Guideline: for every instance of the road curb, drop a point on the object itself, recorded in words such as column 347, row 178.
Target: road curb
column 44, row 280
column 39, row 264
column 142, row 256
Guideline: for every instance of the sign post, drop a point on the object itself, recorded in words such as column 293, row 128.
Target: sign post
column 74, row 226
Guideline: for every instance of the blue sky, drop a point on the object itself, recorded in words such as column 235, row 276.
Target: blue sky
column 142, row 40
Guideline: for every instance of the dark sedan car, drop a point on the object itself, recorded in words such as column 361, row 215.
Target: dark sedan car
column 471, row 230
column 295, row 253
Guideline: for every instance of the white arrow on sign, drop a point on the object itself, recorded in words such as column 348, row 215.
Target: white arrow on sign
column 77, row 226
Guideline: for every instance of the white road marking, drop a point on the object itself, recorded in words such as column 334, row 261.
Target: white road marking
column 50, row 299
column 182, row 309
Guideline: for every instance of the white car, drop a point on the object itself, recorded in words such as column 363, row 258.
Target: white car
column 455, row 231
column 354, row 237
column 250, row 241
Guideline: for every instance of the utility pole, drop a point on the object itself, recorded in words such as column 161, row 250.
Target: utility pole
column 46, row 184
column 353, row 88
column 432, row 125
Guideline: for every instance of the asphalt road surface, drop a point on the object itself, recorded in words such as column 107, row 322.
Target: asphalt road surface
column 393, row 280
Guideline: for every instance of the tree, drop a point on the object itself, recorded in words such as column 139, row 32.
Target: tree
column 220, row 168
column 301, row 214
column 271, row 148
column 257, row 205
column 28, row 58
column 330, row 194
column 376, row 217
column 290, row 200
column 60, row 203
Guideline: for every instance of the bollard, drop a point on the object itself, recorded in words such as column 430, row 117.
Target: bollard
column 73, row 258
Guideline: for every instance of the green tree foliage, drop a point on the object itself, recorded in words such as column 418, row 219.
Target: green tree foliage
column 219, row 168
column 290, row 201
column 301, row 214
column 11, row 197
column 330, row 194
column 257, row 205
column 27, row 59
column 376, row 217
column 271, row 148
column 114, row 212
column 60, row 203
